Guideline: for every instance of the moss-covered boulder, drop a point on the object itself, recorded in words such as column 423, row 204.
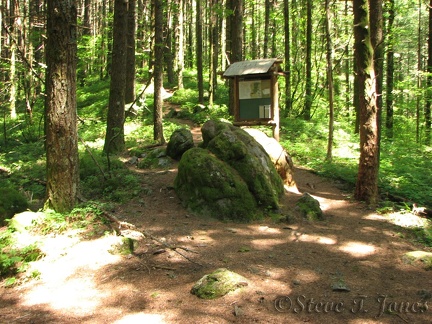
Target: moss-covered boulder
column 309, row 207
column 218, row 283
column 180, row 141
column 421, row 258
column 207, row 185
column 11, row 202
column 278, row 155
column 243, row 153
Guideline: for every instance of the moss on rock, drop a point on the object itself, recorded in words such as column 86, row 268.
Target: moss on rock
column 310, row 207
column 207, row 185
column 218, row 283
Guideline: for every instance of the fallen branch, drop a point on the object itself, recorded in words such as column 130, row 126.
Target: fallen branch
column 172, row 248
column 124, row 229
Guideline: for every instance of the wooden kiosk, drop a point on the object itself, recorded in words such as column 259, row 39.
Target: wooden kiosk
column 256, row 94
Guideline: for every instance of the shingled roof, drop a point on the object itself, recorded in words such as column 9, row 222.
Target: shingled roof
column 261, row 66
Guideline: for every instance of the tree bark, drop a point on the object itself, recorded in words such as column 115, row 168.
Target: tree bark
column 390, row 69
column 114, row 138
column 429, row 82
column 329, row 57
column 130, row 52
column 308, row 94
column 367, row 177
column 158, row 74
column 287, row 30
column 199, row 51
column 236, row 43
column 60, row 106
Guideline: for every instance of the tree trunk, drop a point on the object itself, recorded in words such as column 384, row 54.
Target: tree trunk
column 236, row 43
column 429, row 82
column 114, row 138
column 266, row 27
column 158, row 74
column 180, row 47
column 288, row 102
column 199, row 51
column 130, row 53
column 60, row 106
column 419, row 68
column 308, row 94
column 214, row 51
column 390, row 70
column 367, row 178
column 377, row 41
column 329, row 57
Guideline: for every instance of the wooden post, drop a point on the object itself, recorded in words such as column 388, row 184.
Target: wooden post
column 236, row 99
column 275, row 106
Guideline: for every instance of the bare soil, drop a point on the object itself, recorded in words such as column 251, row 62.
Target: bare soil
column 345, row 269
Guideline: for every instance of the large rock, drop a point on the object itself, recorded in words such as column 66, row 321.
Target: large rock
column 309, row 207
column 243, row 153
column 218, row 283
column 279, row 156
column 208, row 186
column 180, row 141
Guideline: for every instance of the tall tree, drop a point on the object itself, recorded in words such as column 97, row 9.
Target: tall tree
column 390, row 68
column 367, row 177
column 158, row 73
column 130, row 52
column 180, row 41
column 429, row 82
column 308, row 94
column 114, row 137
column 235, row 41
column 287, row 48
column 60, row 106
column 199, row 51
column 329, row 58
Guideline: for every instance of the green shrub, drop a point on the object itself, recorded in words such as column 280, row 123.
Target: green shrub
column 11, row 203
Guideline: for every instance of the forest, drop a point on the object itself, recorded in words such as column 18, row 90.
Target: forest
column 90, row 91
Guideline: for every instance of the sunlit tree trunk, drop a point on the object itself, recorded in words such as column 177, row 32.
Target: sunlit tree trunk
column 236, row 42
column 390, row 69
column 60, row 106
column 130, row 52
column 419, row 68
column 308, row 90
column 180, row 47
column 214, row 50
column 329, row 57
column 367, row 177
column 429, row 82
column 158, row 135
column 287, row 30
column 114, row 137
column 266, row 27
column 199, row 51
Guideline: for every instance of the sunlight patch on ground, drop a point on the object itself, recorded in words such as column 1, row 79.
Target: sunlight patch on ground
column 263, row 244
column 141, row 318
column 407, row 220
column 358, row 249
column 315, row 239
column 67, row 274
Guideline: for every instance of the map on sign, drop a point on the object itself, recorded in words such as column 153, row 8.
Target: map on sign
column 254, row 89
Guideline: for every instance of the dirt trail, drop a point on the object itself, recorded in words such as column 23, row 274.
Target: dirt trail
column 346, row 269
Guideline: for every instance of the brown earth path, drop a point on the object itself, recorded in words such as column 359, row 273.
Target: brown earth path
column 346, row 269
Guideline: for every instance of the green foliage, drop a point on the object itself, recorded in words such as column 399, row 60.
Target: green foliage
column 11, row 202
column 117, row 183
column 15, row 260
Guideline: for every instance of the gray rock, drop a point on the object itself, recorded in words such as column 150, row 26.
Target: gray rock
column 180, row 141
column 210, row 187
column 218, row 283
column 309, row 207
column 278, row 155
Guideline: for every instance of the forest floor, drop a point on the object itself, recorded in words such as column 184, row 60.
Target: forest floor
column 345, row 269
